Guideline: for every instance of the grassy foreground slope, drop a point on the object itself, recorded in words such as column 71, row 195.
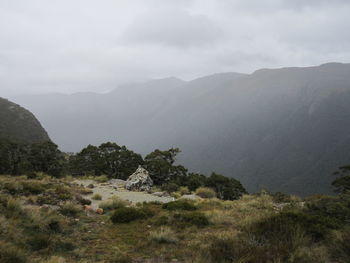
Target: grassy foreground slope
column 42, row 219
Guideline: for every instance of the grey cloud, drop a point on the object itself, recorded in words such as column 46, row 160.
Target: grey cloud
column 173, row 28
column 85, row 45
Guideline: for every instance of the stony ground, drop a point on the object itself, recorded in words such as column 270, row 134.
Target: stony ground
column 109, row 189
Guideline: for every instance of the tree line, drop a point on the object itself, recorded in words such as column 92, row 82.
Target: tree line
column 114, row 161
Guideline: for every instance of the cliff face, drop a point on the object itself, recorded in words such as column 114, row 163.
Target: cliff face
column 19, row 124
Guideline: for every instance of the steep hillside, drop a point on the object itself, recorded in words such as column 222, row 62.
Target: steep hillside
column 282, row 129
column 17, row 123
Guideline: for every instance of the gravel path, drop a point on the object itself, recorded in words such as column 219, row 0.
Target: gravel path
column 107, row 190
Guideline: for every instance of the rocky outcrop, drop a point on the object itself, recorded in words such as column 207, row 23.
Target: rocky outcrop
column 139, row 181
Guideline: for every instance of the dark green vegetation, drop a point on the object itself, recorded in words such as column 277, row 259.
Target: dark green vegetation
column 119, row 162
column 278, row 129
column 18, row 124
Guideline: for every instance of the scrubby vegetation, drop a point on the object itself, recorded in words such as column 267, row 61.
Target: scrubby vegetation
column 45, row 218
column 256, row 228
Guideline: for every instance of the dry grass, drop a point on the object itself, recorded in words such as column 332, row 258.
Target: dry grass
column 205, row 192
column 163, row 236
column 114, row 202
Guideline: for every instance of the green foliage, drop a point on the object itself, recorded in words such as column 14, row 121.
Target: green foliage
column 109, row 158
column 336, row 207
column 191, row 219
column 180, row 205
column 129, row 214
column 285, row 223
column 194, row 181
column 225, row 187
column 170, row 187
column 18, row 158
column 160, row 165
column 70, row 209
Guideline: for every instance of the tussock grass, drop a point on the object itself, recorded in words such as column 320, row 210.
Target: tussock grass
column 114, row 202
column 205, row 192
column 163, row 236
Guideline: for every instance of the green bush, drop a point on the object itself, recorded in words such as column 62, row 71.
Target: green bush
column 129, row 214
column 70, row 209
column 284, row 224
column 11, row 254
column 205, row 192
column 96, row 197
column 114, row 203
column 191, row 218
column 336, row 207
column 32, row 187
column 13, row 188
column 13, row 209
column 180, row 205
column 170, row 187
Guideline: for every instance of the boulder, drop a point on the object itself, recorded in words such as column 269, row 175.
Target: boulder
column 139, row 181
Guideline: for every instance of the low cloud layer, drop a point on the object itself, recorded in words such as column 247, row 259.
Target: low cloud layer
column 87, row 45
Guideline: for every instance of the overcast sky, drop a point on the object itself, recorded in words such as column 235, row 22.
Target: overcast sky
column 94, row 45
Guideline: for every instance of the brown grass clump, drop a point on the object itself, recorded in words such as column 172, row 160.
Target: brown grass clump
column 163, row 236
column 205, row 192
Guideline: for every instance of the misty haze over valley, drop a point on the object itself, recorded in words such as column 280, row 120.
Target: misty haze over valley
column 281, row 129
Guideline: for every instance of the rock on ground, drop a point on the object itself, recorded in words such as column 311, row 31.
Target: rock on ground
column 139, row 181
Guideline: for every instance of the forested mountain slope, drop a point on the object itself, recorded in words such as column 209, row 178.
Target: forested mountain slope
column 18, row 124
column 282, row 129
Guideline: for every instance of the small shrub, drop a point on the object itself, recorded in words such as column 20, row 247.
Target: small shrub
column 96, row 197
column 129, row 214
column 284, row 224
column 70, row 209
column 191, row 218
column 32, row 187
column 170, row 187
column 183, row 190
column 13, row 209
column 180, row 205
column 205, row 192
column 11, row 254
column 63, row 193
column 13, row 188
column 82, row 200
column 163, row 236
column 114, row 203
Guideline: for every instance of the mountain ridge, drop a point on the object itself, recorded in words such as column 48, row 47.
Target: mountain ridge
column 282, row 129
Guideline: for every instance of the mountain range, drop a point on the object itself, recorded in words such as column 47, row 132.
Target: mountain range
column 282, row 129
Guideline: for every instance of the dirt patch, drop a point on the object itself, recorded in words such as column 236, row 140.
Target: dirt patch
column 109, row 189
